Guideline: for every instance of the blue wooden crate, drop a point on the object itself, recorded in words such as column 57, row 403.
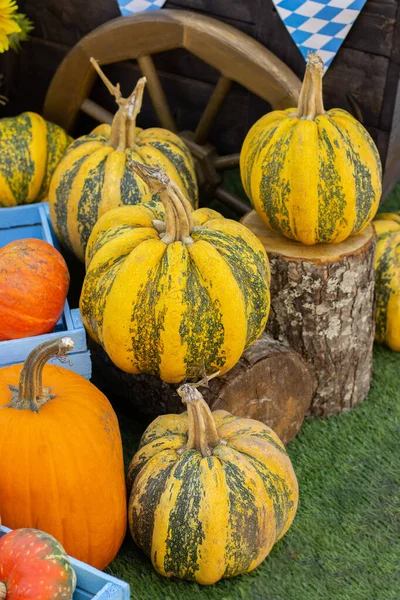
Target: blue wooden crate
column 94, row 584
column 33, row 221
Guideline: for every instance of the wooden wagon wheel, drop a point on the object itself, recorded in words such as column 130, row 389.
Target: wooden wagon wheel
column 234, row 54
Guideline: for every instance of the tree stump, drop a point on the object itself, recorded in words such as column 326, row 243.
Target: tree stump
column 322, row 306
column 271, row 383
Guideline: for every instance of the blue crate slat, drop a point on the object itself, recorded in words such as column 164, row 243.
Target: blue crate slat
column 93, row 584
column 33, row 220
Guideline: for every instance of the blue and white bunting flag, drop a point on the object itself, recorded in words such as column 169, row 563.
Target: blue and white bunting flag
column 319, row 25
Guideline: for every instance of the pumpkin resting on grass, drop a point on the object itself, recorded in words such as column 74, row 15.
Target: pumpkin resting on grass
column 170, row 292
column 210, row 493
column 30, row 150
column 93, row 177
column 61, row 461
column 33, row 565
column 34, row 282
column 387, row 280
column 311, row 175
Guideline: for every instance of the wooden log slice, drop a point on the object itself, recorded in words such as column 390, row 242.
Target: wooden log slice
column 322, row 305
column 271, row 383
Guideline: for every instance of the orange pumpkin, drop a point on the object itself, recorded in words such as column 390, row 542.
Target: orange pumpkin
column 61, row 462
column 34, row 282
column 34, row 565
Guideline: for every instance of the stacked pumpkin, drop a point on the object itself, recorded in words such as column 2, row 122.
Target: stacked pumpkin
column 315, row 176
column 312, row 175
column 171, row 291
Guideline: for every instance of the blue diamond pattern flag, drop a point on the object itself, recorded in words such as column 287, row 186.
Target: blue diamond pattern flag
column 129, row 7
column 319, row 25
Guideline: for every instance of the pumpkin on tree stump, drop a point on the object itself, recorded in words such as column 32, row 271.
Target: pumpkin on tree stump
column 312, row 175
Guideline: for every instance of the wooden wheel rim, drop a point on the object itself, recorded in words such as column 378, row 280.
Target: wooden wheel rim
column 237, row 56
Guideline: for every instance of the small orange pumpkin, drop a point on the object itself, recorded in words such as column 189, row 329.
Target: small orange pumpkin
column 34, row 283
column 34, row 565
column 61, row 463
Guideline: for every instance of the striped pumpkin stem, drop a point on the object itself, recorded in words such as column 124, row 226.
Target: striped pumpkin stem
column 30, row 394
column 311, row 103
column 123, row 128
column 3, row 591
column 178, row 211
column 202, row 431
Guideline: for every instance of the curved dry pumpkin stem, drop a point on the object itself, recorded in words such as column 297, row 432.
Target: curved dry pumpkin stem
column 178, row 211
column 202, row 431
column 30, row 394
column 3, row 591
column 123, row 128
column 311, row 103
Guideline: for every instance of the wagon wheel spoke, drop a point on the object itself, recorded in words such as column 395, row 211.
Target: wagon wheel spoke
column 232, row 200
column 227, row 162
column 214, row 104
column 97, row 112
column 156, row 92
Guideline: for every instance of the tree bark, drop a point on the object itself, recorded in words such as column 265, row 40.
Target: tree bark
column 322, row 305
column 270, row 383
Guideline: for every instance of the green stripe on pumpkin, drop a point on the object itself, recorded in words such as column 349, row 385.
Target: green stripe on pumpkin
column 91, row 137
column 256, row 148
column 16, row 164
column 203, row 335
column 146, row 343
column 365, row 193
column 383, row 291
column 142, row 523
column 174, row 155
column 274, row 190
column 130, row 192
column 60, row 206
column 250, row 271
column 57, row 143
column 109, row 235
column 277, row 490
column 242, row 547
column 97, row 286
column 88, row 205
column 185, row 530
column 331, row 197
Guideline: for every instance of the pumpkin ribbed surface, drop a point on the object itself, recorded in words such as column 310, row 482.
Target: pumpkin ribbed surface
column 311, row 175
column 174, row 309
column 208, row 509
column 30, row 149
column 61, row 459
column 387, row 280
column 94, row 178
column 34, row 282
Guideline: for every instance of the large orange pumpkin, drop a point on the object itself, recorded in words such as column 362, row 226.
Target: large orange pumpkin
column 61, row 463
column 34, row 282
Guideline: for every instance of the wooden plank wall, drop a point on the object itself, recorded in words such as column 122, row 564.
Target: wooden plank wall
column 363, row 79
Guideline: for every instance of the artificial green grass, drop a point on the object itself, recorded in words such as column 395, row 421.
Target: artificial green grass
column 344, row 543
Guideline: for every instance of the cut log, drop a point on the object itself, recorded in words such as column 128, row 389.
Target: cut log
column 271, row 383
column 322, row 305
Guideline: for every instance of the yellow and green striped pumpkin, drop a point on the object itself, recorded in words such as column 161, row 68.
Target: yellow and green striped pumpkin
column 30, row 150
column 311, row 175
column 170, row 292
column 387, row 280
column 210, row 493
column 93, row 177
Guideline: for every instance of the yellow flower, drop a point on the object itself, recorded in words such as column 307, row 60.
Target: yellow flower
column 7, row 23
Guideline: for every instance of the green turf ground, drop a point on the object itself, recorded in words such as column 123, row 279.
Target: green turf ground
column 345, row 541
